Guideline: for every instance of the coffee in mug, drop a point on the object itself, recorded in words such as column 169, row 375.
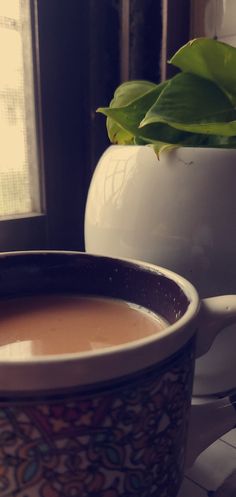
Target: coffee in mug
column 62, row 324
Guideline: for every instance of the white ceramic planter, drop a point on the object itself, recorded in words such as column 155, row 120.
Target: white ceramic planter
column 178, row 212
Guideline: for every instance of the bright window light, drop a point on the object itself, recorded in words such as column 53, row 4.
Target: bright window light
column 19, row 168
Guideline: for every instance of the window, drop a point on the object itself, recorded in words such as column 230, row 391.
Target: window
column 19, row 164
column 22, row 223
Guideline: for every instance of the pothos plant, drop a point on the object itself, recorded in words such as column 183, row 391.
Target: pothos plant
column 195, row 108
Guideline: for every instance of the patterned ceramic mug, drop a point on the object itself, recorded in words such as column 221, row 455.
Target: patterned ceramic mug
column 111, row 422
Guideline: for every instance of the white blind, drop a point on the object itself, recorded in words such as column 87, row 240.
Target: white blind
column 19, row 171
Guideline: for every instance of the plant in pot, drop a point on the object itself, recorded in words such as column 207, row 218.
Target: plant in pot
column 165, row 190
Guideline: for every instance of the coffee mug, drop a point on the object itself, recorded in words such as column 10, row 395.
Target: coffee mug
column 109, row 422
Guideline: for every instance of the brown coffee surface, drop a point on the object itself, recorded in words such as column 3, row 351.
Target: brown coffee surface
column 59, row 324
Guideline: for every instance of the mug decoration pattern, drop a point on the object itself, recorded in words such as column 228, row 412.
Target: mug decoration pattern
column 119, row 439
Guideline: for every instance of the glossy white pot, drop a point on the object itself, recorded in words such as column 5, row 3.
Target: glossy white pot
column 178, row 212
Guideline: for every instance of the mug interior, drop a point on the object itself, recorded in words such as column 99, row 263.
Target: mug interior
column 37, row 273
column 57, row 272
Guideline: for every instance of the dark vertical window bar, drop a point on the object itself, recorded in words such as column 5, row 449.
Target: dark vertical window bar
column 104, row 68
column 125, row 40
column 141, row 38
column 176, row 31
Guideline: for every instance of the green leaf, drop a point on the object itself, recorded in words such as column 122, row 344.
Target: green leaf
column 193, row 104
column 221, row 141
column 131, row 90
column 158, row 146
column 191, row 140
column 117, row 134
column 193, row 109
column 124, row 130
column 129, row 117
column 160, row 135
column 210, row 59
column 125, row 94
